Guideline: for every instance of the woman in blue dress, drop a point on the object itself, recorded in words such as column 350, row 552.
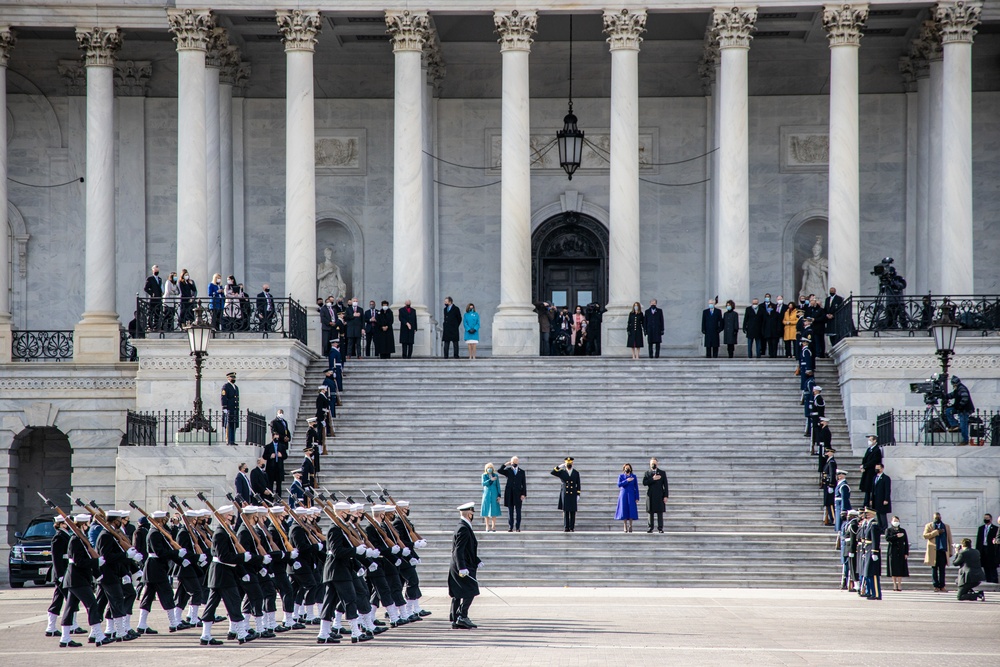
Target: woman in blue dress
column 490, row 507
column 628, row 498
column 470, row 322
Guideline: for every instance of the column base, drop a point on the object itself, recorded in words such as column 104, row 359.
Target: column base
column 97, row 339
column 6, row 339
column 515, row 331
column 314, row 330
column 614, row 331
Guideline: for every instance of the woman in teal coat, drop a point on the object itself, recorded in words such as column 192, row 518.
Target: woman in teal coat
column 491, row 498
column 470, row 322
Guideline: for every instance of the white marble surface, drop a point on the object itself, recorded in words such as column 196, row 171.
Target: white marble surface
column 99, row 301
column 192, row 202
column 226, row 179
column 733, row 261
column 130, row 218
column 936, row 217
column 844, row 186
column 213, row 180
column 956, row 170
column 923, row 247
column 5, row 264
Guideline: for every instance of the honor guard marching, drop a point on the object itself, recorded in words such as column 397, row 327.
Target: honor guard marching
column 463, row 586
column 569, row 493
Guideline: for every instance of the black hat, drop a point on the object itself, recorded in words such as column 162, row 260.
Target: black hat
column 231, row 375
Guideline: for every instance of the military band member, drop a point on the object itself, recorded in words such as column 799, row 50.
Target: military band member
column 569, row 493
column 463, row 586
column 230, row 407
column 78, row 584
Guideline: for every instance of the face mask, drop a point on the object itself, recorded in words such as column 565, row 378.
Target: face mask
column 372, row 306
column 729, row 307
column 174, row 279
column 489, row 470
column 895, row 524
column 385, row 307
column 354, row 303
column 779, row 302
column 711, row 306
column 636, row 309
column 832, row 293
column 987, row 521
column 767, row 299
column 267, row 289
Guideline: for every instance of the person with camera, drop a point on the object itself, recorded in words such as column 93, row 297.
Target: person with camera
column 546, row 313
column 961, row 406
column 939, row 546
column 971, row 572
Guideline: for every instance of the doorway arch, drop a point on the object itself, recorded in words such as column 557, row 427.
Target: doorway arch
column 41, row 459
column 569, row 260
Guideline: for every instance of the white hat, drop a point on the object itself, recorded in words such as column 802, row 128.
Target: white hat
column 59, row 519
column 378, row 508
column 390, row 508
column 250, row 509
column 342, row 507
column 817, row 388
column 158, row 514
column 310, row 420
column 192, row 514
column 81, row 518
column 302, row 511
column 403, row 503
column 226, row 509
column 204, row 512
column 124, row 513
column 117, row 514
column 357, row 507
column 466, row 506
column 276, row 510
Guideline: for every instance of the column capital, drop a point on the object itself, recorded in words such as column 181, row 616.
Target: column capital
column 299, row 28
column 434, row 63
column 734, row 27
column 927, row 45
column 844, row 23
column 132, row 77
column 191, row 28
column 8, row 38
column 409, row 30
column 624, row 28
column 957, row 21
column 516, row 29
column 74, row 75
column 100, row 46
column 908, row 72
column 708, row 67
column 218, row 42
column 229, row 62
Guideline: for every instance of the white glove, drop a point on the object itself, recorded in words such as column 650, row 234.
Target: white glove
column 463, row 573
column 185, row 563
column 406, row 551
column 395, row 549
column 294, row 554
column 360, row 550
column 263, row 572
column 60, row 580
column 373, row 567
column 413, row 561
column 267, row 559
column 245, row 578
column 420, row 544
column 480, row 566
column 418, row 561
column 361, row 572
column 296, row 565
column 319, row 546
column 126, row 579
column 202, row 559
column 182, row 552
column 875, row 557
column 246, row 556
column 131, row 552
column 373, row 553
column 398, row 562
column 101, row 561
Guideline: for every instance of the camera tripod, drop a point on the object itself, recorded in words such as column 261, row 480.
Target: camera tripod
column 931, row 423
column 888, row 312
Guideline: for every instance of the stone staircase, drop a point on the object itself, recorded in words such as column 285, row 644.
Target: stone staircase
column 744, row 506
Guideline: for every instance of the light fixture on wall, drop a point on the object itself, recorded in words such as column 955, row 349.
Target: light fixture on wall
column 570, row 138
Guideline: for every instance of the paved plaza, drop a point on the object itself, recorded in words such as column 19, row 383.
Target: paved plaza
column 540, row 626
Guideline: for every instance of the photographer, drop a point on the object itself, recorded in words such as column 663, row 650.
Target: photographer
column 890, row 288
column 546, row 313
column 961, row 405
column 971, row 573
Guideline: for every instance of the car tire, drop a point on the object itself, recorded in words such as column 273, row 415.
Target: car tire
column 17, row 584
column 41, row 582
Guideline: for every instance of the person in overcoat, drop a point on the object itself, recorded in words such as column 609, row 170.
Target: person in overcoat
column 711, row 326
column 657, row 492
column 753, row 325
column 471, row 325
column 790, row 321
column 569, row 493
column 407, row 329
column 450, row 324
column 230, row 407
column 899, row 551
column 463, row 585
column 730, row 327
column 275, row 454
column 872, row 457
column 514, row 493
column 653, row 322
column 636, row 326
column 939, row 548
column 385, row 343
column 628, row 498
column 489, row 509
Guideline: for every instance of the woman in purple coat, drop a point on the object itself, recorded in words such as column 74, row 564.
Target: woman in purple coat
column 628, row 498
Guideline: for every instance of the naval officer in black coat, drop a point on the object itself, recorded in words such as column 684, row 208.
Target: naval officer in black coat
column 569, row 493
column 463, row 586
column 230, row 408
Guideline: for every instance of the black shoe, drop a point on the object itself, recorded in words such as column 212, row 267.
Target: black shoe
column 252, row 635
column 379, row 623
column 315, row 621
column 650, row 530
column 71, row 644
column 379, row 630
column 413, row 618
column 359, row 639
column 244, row 640
column 327, row 640
column 464, row 623
column 456, row 626
column 79, row 631
column 517, row 530
column 423, row 612
column 661, row 530
column 510, row 530
column 298, row 626
column 148, row 631
column 211, row 642
column 219, row 619
column 129, row 636
column 54, row 633
column 231, row 636
column 268, row 634
column 174, row 628
column 282, row 628
column 343, row 631
column 187, row 625
column 91, row 640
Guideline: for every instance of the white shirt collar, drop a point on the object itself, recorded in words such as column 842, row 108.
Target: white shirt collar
column 466, row 521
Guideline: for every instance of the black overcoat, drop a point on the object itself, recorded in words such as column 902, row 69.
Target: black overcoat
column 407, row 316
column 570, row 490
column 517, row 485
column 385, row 341
column 653, row 320
column 464, row 556
column 711, row 325
column 451, row 323
column 656, row 491
column 730, row 327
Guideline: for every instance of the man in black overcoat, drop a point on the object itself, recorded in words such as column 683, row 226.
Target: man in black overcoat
column 463, row 586
column 230, row 407
column 816, row 311
column 569, row 493
column 370, row 316
column 385, row 343
column 657, row 492
column 355, row 320
column 451, row 322
column 753, row 322
column 653, row 321
column 407, row 329
column 275, row 454
column 711, row 326
column 882, row 497
column 988, row 547
column 154, row 290
column 772, row 326
column 871, row 458
column 830, row 307
column 514, row 493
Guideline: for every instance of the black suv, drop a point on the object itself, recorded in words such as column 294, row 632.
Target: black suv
column 31, row 555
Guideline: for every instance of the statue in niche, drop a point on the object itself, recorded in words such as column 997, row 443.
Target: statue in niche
column 815, row 271
column 330, row 282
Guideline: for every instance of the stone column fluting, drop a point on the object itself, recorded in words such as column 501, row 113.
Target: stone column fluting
column 624, row 29
column 410, row 249
column 218, row 41
column 515, row 326
column 709, row 72
column 192, row 30
column 227, row 78
column 7, row 41
column 733, row 27
column 299, row 29
column 957, row 23
column 921, row 73
column 843, row 25
column 935, row 215
column 96, row 337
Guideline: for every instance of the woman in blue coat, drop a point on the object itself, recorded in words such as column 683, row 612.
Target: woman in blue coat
column 628, row 498
column 470, row 322
column 491, row 498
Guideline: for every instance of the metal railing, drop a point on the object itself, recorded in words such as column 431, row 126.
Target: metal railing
column 126, row 351
column 927, row 427
column 253, row 316
column 34, row 345
column 150, row 429
column 912, row 314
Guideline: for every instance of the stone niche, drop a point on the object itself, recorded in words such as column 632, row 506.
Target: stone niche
column 335, row 261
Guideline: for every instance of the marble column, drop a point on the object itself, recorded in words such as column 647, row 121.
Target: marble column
column 192, row 30
column 624, row 29
column 410, row 249
column 921, row 73
column 217, row 43
column 434, row 69
column 7, row 41
column 299, row 29
column 935, row 214
column 515, row 326
column 733, row 28
column 709, row 72
column 227, row 77
column 96, row 337
column 843, row 25
column 957, row 23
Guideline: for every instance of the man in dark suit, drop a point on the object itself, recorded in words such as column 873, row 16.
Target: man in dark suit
column 230, row 407
column 154, row 290
column 569, row 493
column 772, row 326
column 988, row 548
column 450, row 325
column 657, row 492
column 653, row 321
column 831, row 306
column 971, row 573
column 265, row 308
column 463, row 585
column 407, row 329
column 328, row 319
column 711, row 327
column 242, row 482
column 258, row 481
column 274, row 455
column 881, row 497
column 514, row 493
column 871, row 458
column 355, row 320
column 752, row 324
column 816, row 312
column 371, row 315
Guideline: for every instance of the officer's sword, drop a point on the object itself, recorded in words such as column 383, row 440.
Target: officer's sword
column 492, row 592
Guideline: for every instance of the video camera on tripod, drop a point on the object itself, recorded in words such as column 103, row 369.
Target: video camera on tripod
column 889, row 282
column 933, row 389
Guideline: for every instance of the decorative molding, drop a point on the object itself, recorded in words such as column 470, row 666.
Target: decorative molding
column 99, row 46
column 624, row 28
column 191, row 28
column 734, row 27
column 299, row 28
column 843, row 23
column 927, row 45
column 132, row 77
column 218, row 42
column 516, row 29
column 213, row 364
column 966, row 361
column 229, row 62
column 73, row 384
column 708, row 67
column 434, row 61
column 8, row 39
column 74, row 75
column 342, row 152
column 957, row 21
column 908, row 72
column 804, row 148
column 594, row 160
column 409, row 30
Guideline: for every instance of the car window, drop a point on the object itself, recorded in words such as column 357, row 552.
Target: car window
column 39, row 530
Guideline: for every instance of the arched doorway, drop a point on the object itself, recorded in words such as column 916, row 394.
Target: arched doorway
column 41, row 460
column 569, row 260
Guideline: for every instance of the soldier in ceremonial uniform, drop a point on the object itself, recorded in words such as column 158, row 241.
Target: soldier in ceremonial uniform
column 60, row 541
column 226, row 568
column 159, row 555
column 828, row 482
column 301, row 570
column 338, row 574
column 569, row 493
column 254, row 594
column 871, row 458
column 848, row 551
column 873, row 556
column 296, row 492
column 115, row 571
column 463, row 585
column 78, row 582
column 413, row 593
column 230, row 408
column 386, row 582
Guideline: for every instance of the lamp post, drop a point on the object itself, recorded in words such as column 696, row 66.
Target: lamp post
column 199, row 333
column 945, row 331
